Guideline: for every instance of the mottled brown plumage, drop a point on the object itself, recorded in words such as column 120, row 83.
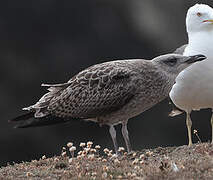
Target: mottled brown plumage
column 109, row 93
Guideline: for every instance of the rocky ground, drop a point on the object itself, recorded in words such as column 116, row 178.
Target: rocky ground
column 92, row 162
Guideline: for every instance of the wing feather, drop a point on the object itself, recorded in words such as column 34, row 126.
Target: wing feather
column 96, row 91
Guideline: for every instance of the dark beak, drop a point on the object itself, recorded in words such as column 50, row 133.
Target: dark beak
column 195, row 58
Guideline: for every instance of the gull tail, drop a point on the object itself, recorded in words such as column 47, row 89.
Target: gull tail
column 38, row 114
column 23, row 117
column 175, row 110
column 28, row 120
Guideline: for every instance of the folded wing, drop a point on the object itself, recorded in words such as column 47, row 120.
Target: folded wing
column 96, row 91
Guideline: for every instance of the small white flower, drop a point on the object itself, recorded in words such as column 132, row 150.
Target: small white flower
column 80, row 152
column 135, row 161
column 69, row 144
column 116, row 161
column 56, row 159
column 86, row 150
column 142, row 162
column 70, row 160
column 136, row 167
column 133, row 175
column 134, row 154
column 104, row 160
column 149, row 153
column 91, row 156
column 114, row 156
column 63, row 154
column 94, row 173
column 142, row 156
column 104, row 175
column 93, row 150
column 79, row 157
column 82, row 144
column 89, row 143
column 109, row 154
column 106, row 150
column 121, row 149
column 97, row 147
column 29, row 174
column 105, row 168
column 73, row 148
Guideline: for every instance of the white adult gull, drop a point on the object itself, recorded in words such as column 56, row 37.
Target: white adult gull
column 193, row 89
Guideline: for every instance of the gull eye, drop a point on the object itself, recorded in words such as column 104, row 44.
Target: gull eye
column 199, row 14
column 171, row 61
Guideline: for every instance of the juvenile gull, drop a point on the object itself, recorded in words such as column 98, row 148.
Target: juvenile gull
column 109, row 93
column 193, row 89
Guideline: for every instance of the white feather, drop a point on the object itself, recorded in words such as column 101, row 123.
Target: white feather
column 193, row 89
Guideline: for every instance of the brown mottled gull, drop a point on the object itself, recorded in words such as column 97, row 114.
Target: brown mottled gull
column 109, row 93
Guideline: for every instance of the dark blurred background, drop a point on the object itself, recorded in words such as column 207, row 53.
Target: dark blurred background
column 49, row 41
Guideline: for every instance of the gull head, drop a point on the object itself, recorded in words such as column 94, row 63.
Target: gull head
column 199, row 18
column 174, row 63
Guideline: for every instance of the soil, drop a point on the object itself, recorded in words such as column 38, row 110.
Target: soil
column 195, row 162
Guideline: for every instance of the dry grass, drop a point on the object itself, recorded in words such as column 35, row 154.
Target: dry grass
column 182, row 162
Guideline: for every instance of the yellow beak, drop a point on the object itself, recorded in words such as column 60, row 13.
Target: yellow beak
column 209, row 20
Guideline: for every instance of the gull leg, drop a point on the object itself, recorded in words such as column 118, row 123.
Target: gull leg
column 112, row 132
column 126, row 136
column 189, row 127
column 212, row 125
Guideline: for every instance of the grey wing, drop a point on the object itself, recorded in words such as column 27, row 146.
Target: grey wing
column 94, row 92
column 180, row 50
column 40, row 108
